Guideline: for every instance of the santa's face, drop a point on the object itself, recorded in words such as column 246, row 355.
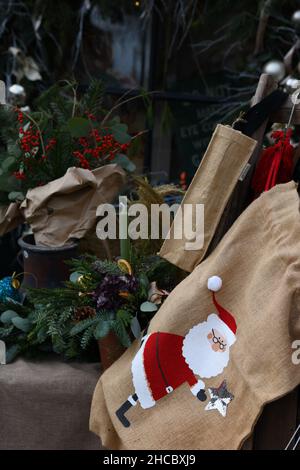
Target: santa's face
column 206, row 349
column 217, row 340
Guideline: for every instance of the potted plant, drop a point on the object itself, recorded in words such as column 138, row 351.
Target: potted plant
column 110, row 302
column 64, row 131
column 123, row 300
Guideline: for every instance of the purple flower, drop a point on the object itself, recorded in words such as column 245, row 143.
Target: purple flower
column 106, row 295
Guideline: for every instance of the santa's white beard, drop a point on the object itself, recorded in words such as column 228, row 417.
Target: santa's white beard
column 198, row 353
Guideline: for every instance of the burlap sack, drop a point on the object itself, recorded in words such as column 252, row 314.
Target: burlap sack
column 259, row 263
column 45, row 404
column 220, row 169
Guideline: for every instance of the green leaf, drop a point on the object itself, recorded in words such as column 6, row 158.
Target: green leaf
column 7, row 163
column 8, row 183
column 135, row 327
column 115, row 120
column 144, row 282
column 6, row 331
column 8, row 315
column 119, row 131
column 12, row 352
column 102, row 329
column 121, row 332
column 124, row 316
column 14, row 150
column 119, row 126
column 16, row 196
column 79, row 127
column 124, row 162
column 148, row 307
column 22, row 324
column 26, row 126
column 82, row 325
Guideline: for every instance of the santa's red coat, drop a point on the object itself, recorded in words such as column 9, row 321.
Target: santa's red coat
column 164, row 364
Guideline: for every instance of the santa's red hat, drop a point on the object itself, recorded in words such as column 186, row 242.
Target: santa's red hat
column 224, row 321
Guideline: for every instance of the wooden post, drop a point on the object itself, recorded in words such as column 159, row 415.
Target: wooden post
column 161, row 145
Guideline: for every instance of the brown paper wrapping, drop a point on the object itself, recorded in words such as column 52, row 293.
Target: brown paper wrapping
column 10, row 217
column 65, row 208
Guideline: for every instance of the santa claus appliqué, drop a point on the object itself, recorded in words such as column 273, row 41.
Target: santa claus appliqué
column 165, row 361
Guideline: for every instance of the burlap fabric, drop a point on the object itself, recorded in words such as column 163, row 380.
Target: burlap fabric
column 259, row 263
column 213, row 184
column 45, row 405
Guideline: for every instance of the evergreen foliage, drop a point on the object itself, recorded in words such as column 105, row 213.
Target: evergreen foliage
column 62, row 130
column 56, row 319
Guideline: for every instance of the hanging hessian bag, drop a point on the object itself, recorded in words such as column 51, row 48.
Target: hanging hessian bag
column 224, row 164
column 220, row 347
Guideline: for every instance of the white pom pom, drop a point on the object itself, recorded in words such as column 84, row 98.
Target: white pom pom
column 214, row 283
column 16, row 89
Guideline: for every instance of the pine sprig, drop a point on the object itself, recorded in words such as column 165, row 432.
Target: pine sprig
column 57, row 297
column 106, row 267
column 59, row 98
column 87, row 337
column 93, row 99
column 83, row 264
column 83, row 325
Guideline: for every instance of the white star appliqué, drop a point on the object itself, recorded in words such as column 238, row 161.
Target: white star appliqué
column 219, row 399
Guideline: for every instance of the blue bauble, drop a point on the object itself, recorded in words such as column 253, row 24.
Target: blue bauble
column 7, row 290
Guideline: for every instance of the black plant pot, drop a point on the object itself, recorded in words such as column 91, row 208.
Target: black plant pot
column 8, row 253
column 45, row 266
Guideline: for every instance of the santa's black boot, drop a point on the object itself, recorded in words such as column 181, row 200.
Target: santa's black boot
column 131, row 401
column 201, row 395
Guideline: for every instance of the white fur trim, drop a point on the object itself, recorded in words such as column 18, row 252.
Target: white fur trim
column 217, row 323
column 200, row 385
column 132, row 400
column 139, row 378
column 214, row 283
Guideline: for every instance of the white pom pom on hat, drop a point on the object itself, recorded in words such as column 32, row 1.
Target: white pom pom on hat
column 225, row 319
column 214, row 283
